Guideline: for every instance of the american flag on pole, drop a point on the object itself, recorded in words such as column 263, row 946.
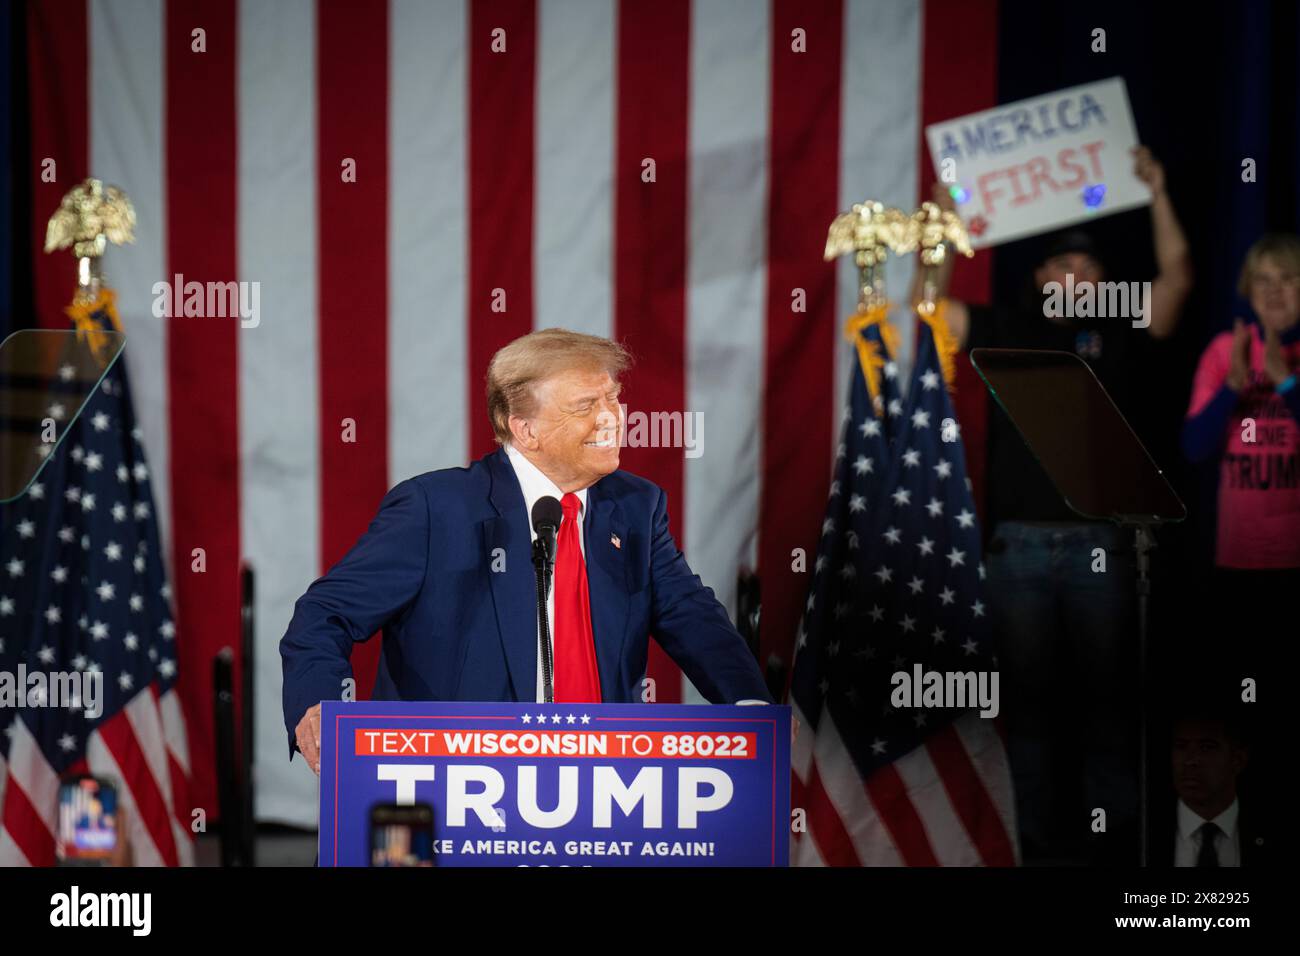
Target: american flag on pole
column 413, row 183
column 83, row 590
column 896, row 585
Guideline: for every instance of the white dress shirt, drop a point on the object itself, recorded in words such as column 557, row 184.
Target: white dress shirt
column 1187, row 845
column 534, row 484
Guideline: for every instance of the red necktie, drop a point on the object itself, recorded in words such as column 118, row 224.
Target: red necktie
column 576, row 678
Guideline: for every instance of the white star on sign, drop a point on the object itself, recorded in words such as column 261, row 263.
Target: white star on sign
column 586, row 719
column 569, row 718
column 527, row 719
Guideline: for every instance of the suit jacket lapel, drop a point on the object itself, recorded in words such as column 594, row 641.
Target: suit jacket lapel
column 609, row 583
column 514, row 590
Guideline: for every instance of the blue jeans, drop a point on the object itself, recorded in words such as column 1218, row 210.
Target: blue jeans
column 1067, row 642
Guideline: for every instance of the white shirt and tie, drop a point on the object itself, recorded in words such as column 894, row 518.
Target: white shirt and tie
column 535, row 485
column 1190, row 835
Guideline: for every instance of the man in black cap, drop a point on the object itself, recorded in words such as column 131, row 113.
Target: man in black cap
column 1064, row 628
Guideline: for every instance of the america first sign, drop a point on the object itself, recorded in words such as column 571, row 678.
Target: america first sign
column 1040, row 164
column 562, row 784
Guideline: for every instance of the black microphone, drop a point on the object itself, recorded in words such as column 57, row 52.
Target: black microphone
column 546, row 522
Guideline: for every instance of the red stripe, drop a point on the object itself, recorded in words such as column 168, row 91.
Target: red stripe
column 889, row 795
column 27, row 828
column 960, row 39
column 352, row 121
column 150, row 807
column 798, row 378
column 650, row 244
column 972, row 803
column 181, row 809
column 57, row 78
column 501, row 147
column 202, row 357
column 824, row 823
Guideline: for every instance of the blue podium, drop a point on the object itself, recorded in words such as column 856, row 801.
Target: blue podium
column 561, row 784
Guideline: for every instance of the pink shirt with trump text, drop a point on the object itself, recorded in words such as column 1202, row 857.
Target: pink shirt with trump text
column 1259, row 470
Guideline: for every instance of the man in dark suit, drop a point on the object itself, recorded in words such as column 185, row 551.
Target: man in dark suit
column 445, row 567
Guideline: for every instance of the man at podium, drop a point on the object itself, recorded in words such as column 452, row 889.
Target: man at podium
column 445, row 567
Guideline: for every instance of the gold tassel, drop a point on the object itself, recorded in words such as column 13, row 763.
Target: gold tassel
column 82, row 313
column 945, row 343
column 869, row 358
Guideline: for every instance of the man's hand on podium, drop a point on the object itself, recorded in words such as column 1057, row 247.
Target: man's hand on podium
column 308, row 734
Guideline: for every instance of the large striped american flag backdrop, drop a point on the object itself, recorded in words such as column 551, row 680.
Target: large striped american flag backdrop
column 500, row 150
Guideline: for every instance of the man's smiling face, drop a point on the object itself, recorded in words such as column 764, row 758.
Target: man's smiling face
column 575, row 433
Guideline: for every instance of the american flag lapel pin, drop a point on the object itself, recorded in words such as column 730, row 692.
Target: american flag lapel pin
column 613, row 539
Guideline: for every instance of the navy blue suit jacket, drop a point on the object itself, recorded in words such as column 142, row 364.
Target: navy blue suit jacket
column 455, row 629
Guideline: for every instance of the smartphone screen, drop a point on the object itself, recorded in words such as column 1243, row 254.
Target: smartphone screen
column 87, row 820
column 401, row 835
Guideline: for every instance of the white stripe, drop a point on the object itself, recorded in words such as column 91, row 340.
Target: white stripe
column 147, row 724
column 574, row 205
column 10, row 854
column 843, row 785
column 126, row 149
column 879, row 153
column 801, row 748
column 427, row 239
column 993, row 767
column 144, row 852
column 278, row 359
column 29, row 770
column 727, row 291
column 947, row 836
column 173, row 719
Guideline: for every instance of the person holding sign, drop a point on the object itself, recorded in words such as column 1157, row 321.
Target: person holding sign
column 1061, row 612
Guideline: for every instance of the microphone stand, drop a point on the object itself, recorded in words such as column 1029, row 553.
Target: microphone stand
column 543, row 565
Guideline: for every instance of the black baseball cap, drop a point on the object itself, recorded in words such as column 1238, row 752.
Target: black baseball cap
column 1067, row 241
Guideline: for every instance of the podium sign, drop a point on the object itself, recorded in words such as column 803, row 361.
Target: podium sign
column 562, row 784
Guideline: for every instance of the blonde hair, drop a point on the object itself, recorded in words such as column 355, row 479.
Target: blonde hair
column 1282, row 247
column 517, row 368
